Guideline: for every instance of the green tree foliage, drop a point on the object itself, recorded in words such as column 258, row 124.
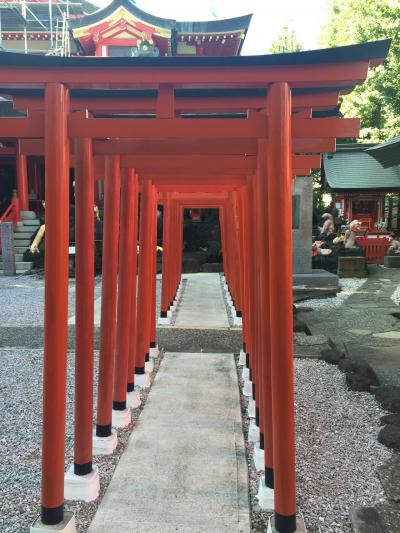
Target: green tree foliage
column 377, row 101
column 286, row 41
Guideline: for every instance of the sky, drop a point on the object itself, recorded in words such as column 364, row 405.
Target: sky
column 305, row 17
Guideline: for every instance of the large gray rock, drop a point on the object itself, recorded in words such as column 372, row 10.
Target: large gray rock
column 390, row 436
column 389, row 474
column 366, row 520
column 358, row 383
column 332, row 356
column 393, row 419
column 350, row 365
column 190, row 265
column 389, row 397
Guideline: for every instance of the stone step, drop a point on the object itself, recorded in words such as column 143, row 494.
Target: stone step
column 18, row 243
column 23, row 234
column 20, row 265
column 17, row 272
column 27, row 215
column 33, row 223
column 20, row 249
column 18, row 257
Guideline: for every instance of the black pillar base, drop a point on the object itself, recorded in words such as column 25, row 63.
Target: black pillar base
column 153, row 344
column 238, row 314
column 269, row 477
column 130, row 387
column 257, row 417
column 285, row 524
column 253, row 390
column 163, row 314
column 119, row 406
column 147, row 358
column 139, row 370
column 247, row 360
column 82, row 470
column 103, row 431
column 51, row 516
column 261, row 440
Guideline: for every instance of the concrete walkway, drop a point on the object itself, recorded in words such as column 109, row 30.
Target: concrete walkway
column 202, row 303
column 184, row 468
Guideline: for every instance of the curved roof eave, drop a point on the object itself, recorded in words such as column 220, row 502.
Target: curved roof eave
column 374, row 52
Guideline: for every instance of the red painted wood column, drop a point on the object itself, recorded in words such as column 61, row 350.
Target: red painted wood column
column 281, row 315
column 132, row 337
column 265, row 325
column 179, row 245
column 126, row 280
column 112, row 193
column 145, row 275
column 22, row 182
column 166, row 258
column 153, row 310
column 56, row 301
column 84, row 313
column 246, row 261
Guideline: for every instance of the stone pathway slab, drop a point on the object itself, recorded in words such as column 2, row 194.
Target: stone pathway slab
column 185, row 467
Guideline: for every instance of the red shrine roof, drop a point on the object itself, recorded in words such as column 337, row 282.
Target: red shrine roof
column 122, row 23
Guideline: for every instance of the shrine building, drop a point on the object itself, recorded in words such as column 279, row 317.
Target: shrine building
column 362, row 188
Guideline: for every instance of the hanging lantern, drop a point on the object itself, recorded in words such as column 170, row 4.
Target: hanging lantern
column 195, row 215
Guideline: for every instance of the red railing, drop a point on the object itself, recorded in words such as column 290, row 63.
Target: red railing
column 375, row 248
column 11, row 214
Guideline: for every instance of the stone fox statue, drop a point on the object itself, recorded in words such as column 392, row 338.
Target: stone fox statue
column 328, row 227
column 351, row 234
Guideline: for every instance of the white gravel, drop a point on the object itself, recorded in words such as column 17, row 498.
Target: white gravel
column 396, row 296
column 348, row 287
column 337, row 451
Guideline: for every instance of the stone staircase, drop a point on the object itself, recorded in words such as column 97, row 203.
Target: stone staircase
column 22, row 239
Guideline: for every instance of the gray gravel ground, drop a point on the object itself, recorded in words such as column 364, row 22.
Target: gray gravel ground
column 20, row 437
column 337, row 450
column 347, row 285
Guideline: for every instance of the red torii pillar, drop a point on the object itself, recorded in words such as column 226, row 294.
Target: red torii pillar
column 56, row 302
column 126, row 280
column 153, row 349
column 279, row 200
column 167, row 272
column 106, row 440
column 133, row 398
column 84, row 317
column 144, row 300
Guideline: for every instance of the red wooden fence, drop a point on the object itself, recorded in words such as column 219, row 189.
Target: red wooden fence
column 375, row 248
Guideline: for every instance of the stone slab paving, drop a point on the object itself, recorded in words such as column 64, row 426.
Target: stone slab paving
column 184, row 468
column 364, row 324
column 202, row 303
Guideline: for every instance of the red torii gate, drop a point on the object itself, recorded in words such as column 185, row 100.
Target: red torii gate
column 260, row 196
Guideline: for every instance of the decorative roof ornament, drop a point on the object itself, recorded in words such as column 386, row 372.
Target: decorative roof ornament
column 145, row 49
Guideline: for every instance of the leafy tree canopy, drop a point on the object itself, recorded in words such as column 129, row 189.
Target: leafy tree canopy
column 286, row 41
column 377, row 101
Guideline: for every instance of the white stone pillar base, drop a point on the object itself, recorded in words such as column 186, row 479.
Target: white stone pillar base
column 246, row 373
column 149, row 366
column 84, row 488
column 265, row 496
column 258, row 457
column 251, row 408
column 142, row 380
column 248, row 389
column 121, row 419
column 254, row 432
column 237, row 321
column 104, row 445
column 154, row 352
column 242, row 358
column 66, row 526
column 169, row 313
column 164, row 321
column 133, row 400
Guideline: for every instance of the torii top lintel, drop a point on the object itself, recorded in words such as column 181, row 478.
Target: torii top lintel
column 342, row 67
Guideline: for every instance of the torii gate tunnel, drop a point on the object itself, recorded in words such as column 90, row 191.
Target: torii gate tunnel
column 228, row 132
